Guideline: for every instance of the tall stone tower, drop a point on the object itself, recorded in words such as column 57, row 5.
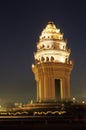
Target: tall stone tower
column 52, row 66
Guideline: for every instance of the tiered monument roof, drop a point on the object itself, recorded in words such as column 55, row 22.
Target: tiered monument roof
column 52, row 46
column 51, row 32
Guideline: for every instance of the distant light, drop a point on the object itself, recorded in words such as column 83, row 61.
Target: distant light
column 74, row 98
column 83, row 102
column 31, row 102
column 32, row 65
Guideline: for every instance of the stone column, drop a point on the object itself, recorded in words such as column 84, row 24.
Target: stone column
column 53, row 88
column 45, row 87
column 67, row 88
column 37, row 90
column 63, row 89
column 40, row 90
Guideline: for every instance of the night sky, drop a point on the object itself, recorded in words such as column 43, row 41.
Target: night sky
column 21, row 23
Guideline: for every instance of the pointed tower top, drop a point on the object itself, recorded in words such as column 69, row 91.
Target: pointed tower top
column 51, row 32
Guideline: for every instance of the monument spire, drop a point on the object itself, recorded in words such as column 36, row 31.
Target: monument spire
column 52, row 66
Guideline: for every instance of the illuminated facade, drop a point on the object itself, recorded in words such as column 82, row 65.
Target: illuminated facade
column 52, row 66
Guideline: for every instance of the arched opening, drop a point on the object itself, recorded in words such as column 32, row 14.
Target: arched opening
column 47, row 58
column 42, row 59
column 52, row 58
column 58, row 89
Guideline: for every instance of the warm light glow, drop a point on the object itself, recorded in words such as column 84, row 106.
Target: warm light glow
column 83, row 102
column 52, row 46
column 32, row 65
column 49, row 112
column 31, row 102
column 74, row 98
column 52, row 65
column 50, row 31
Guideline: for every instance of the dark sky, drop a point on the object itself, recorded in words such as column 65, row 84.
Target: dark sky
column 21, row 23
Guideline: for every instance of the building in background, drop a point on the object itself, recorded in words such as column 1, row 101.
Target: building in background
column 52, row 66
